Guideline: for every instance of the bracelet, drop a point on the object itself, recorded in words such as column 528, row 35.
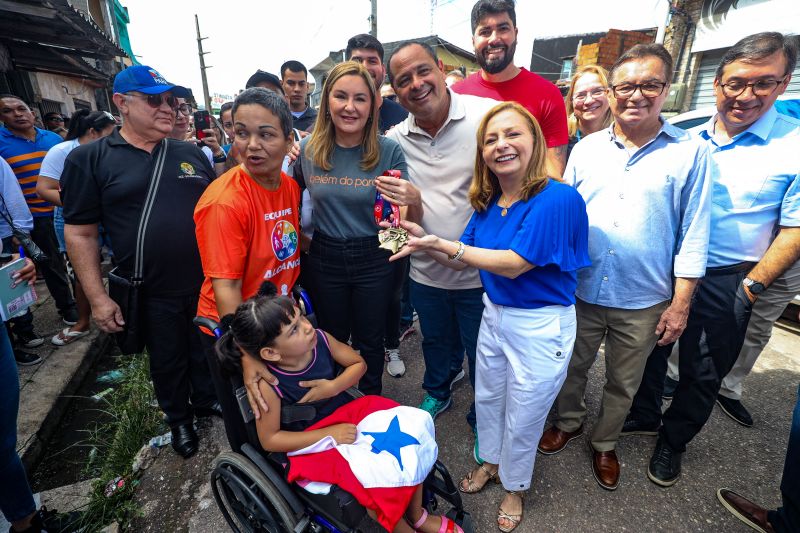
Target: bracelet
column 460, row 252
column 220, row 159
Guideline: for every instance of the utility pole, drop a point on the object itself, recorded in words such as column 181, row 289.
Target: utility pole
column 373, row 19
column 203, row 67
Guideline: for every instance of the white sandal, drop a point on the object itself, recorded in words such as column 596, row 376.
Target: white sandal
column 66, row 336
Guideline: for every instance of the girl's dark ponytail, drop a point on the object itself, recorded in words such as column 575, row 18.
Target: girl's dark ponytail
column 228, row 354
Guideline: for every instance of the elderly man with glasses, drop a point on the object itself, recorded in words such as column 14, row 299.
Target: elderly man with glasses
column 755, row 238
column 108, row 182
column 647, row 190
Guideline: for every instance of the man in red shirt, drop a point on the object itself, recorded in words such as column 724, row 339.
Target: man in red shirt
column 494, row 37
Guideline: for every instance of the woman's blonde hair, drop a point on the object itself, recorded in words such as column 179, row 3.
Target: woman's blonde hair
column 572, row 120
column 485, row 184
column 323, row 138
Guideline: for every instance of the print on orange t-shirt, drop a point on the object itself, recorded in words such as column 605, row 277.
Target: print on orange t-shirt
column 246, row 232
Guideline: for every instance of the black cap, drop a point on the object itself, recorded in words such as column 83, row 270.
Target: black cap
column 262, row 76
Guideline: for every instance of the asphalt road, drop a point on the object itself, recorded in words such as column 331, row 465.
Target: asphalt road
column 564, row 496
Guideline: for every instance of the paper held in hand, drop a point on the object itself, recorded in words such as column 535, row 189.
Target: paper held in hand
column 14, row 301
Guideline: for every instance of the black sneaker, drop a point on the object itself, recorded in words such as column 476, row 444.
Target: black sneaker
column 665, row 465
column 634, row 427
column 26, row 358
column 669, row 388
column 53, row 522
column 735, row 410
column 69, row 316
column 28, row 339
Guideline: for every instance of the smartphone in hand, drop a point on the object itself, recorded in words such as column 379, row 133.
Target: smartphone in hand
column 202, row 121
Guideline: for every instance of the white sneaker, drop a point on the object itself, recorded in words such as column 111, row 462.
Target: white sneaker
column 395, row 366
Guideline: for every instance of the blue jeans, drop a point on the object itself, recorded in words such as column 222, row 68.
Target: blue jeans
column 16, row 499
column 450, row 321
column 787, row 518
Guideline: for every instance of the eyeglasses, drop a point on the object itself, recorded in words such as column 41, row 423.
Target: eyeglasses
column 595, row 93
column 155, row 100
column 651, row 89
column 185, row 109
column 54, row 119
column 732, row 89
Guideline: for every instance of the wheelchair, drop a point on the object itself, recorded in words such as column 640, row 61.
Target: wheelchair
column 250, row 488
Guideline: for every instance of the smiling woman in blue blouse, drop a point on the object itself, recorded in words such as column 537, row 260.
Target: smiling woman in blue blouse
column 528, row 236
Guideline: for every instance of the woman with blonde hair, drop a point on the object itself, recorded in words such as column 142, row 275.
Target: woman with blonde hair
column 528, row 237
column 341, row 164
column 588, row 110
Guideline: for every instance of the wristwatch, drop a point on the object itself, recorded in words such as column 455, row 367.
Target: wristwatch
column 755, row 287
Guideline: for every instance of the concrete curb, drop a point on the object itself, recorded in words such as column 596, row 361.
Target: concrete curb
column 45, row 394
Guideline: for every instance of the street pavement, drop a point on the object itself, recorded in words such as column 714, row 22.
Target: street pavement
column 564, row 496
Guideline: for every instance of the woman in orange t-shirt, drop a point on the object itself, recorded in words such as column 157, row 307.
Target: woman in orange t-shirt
column 247, row 221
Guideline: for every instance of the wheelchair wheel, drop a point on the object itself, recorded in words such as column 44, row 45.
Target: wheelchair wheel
column 247, row 499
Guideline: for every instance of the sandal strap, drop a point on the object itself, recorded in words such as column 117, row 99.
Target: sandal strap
column 491, row 475
column 418, row 524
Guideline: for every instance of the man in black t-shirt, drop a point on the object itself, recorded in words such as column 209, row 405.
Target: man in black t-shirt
column 107, row 182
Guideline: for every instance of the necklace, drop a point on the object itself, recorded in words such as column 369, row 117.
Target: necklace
column 510, row 201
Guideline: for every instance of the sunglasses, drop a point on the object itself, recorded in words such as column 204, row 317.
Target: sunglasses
column 156, row 100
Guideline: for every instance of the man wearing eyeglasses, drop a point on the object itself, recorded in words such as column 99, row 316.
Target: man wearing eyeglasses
column 107, row 182
column 755, row 238
column 647, row 190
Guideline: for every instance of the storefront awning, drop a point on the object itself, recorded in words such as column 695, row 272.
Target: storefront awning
column 55, row 24
column 723, row 23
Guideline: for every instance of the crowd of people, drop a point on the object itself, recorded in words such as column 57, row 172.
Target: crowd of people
column 578, row 221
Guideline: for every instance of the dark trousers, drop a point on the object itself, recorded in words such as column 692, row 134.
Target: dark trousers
column 449, row 321
column 787, row 518
column 178, row 365
column 234, row 426
column 646, row 407
column 709, row 347
column 16, row 498
column 351, row 281
column 394, row 316
column 54, row 270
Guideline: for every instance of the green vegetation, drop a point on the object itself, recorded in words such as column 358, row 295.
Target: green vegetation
column 133, row 421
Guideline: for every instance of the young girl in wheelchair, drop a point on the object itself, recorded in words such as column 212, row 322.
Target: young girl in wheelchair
column 271, row 328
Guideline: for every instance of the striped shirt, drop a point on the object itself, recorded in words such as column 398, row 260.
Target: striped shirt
column 25, row 158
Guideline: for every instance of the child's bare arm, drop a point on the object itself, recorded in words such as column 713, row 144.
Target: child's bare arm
column 274, row 439
column 354, row 368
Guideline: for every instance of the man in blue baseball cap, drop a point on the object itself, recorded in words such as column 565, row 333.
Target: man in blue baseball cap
column 107, row 182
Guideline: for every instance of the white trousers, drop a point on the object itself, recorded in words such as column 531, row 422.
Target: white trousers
column 521, row 363
column 768, row 308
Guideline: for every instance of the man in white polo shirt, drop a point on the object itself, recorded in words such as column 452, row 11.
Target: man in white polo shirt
column 438, row 139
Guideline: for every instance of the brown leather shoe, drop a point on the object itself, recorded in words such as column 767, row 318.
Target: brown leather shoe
column 554, row 440
column 745, row 510
column 605, row 468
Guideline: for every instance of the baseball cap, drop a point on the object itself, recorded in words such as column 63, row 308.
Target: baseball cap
column 262, row 76
column 147, row 80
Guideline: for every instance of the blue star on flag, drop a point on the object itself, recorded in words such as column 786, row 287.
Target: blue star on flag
column 391, row 440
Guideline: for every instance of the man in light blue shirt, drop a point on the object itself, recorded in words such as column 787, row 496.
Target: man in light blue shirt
column 647, row 190
column 755, row 235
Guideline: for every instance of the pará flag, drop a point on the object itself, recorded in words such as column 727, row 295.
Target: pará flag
column 394, row 451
